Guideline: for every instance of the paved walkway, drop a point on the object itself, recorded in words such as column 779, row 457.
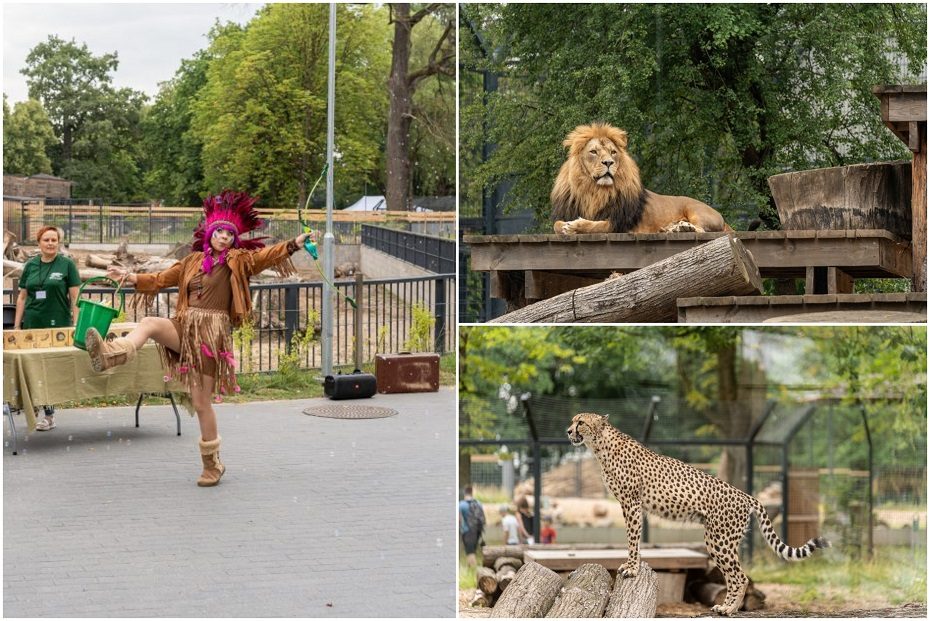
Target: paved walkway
column 315, row 517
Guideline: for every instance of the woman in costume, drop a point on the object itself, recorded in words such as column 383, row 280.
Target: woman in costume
column 48, row 292
column 196, row 346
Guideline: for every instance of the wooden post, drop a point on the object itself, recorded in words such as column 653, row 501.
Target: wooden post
column 719, row 267
column 584, row 595
column 904, row 112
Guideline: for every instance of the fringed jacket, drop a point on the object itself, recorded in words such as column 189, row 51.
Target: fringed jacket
column 242, row 263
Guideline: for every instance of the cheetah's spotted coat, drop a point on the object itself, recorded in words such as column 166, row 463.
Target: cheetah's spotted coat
column 643, row 480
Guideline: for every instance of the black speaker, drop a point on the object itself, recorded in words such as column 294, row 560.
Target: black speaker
column 355, row 385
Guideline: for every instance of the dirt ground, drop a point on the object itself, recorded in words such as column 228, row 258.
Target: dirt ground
column 780, row 602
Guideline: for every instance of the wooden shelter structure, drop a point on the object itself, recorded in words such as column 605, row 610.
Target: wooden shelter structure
column 904, row 111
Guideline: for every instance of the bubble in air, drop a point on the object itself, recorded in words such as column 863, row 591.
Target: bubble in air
column 438, row 542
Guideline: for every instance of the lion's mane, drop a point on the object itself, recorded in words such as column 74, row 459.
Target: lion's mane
column 576, row 195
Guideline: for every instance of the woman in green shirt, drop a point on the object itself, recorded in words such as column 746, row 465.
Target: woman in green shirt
column 48, row 292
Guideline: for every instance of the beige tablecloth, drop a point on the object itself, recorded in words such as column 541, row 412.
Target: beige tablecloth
column 34, row 377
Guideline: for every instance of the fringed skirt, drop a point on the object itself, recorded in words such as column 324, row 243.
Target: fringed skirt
column 206, row 350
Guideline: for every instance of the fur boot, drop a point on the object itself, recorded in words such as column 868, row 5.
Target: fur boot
column 213, row 468
column 107, row 354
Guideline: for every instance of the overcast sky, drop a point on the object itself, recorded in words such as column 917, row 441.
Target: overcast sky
column 149, row 39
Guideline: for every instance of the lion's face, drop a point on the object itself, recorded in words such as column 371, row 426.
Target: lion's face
column 598, row 174
column 585, row 427
column 599, row 160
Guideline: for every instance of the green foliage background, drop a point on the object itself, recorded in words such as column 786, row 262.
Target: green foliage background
column 246, row 112
column 716, row 97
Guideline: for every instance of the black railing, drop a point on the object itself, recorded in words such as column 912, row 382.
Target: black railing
column 431, row 253
column 282, row 310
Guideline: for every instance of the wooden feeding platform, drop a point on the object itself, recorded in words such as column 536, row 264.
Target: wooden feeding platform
column 528, row 268
column 660, row 559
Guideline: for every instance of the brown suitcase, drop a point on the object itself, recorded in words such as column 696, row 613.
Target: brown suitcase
column 407, row 372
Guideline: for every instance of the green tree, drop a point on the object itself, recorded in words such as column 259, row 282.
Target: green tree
column 97, row 126
column 716, row 97
column 27, row 137
column 261, row 115
column 174, row 171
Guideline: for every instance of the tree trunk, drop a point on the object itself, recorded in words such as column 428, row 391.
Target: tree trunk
column 481, row 599
column 719, row 267
column 585, row 594
column 634, row 597
column 531, row 593
column 401, row 93
column 487, row 581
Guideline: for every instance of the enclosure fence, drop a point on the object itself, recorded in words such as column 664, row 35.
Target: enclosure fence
column 430, row 253
column 84, row 222
column 283, row 311
column 807, row 463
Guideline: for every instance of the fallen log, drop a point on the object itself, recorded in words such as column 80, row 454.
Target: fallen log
column 584, row 595
column 489, row 554
column 504, row 576
column 713, row 593
column 487, row 581
column 634, row 597
column 481, row 599
column 101, row 261
column 718, row 268
column 531, row 593
column 514, row 562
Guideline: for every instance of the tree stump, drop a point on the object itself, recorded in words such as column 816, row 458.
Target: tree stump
column 719, row 267
column 487, row 581
column 861, row 196
column 584, row 595
column 634, row 597
column 531, row 594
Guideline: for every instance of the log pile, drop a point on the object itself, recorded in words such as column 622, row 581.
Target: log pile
column 507, row 584
column 588, row 593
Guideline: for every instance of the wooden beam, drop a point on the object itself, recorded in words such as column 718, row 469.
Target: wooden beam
column 788, row 254
column 542, row 285
column 756, row 309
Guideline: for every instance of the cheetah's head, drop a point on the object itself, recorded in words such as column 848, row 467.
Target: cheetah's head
column 585, row 427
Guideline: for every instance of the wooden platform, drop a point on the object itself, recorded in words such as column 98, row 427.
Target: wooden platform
column 660, row 559
column 528, row 268
column 842, row 308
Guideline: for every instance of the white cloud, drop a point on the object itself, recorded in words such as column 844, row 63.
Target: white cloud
column 149, row 39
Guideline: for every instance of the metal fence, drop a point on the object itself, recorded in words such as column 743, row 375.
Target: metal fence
column 283, row 310
column 148, row 224
column 430, row 253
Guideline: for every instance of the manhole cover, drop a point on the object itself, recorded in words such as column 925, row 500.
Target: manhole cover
column 349, row 411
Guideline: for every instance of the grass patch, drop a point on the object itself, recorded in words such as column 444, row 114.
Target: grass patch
column 897, row 573
column 272, row 386
column 468, row 576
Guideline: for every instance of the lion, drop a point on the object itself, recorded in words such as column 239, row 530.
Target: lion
column 598, row 190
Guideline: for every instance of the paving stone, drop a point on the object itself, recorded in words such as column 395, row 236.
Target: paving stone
column 315, row 517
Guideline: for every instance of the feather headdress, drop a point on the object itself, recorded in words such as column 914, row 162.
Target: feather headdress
column 233, row 211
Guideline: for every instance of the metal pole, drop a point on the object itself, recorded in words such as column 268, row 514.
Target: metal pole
column 328, row 238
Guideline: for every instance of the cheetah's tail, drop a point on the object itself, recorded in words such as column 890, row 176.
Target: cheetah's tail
column 781, row 548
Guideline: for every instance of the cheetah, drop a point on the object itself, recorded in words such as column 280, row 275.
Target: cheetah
column 643, row 480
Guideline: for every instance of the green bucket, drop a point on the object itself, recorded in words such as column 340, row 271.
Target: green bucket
column 94, row 314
